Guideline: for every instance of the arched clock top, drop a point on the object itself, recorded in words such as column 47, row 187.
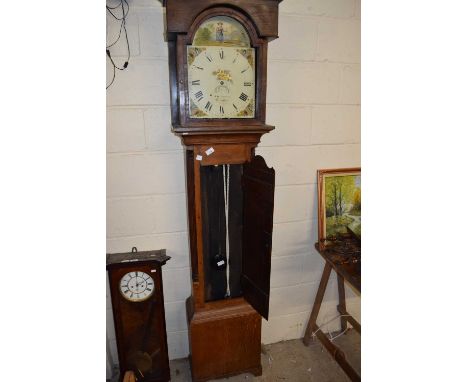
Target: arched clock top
column 223, row 31
column 218, row 66
column 263, row 13
column 234, row 19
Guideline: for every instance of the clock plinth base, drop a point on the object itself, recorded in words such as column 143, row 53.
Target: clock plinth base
column 225, row 339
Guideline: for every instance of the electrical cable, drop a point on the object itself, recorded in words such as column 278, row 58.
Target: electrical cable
column 124, row 14
column 338, row 335
column 118, row 37
column 326, row 323
column 113, row 77
column 123, row 26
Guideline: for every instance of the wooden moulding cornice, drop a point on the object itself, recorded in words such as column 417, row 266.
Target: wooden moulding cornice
column 228, row 135
column 163, row 2
column 213, row 130
column 179, row 14
column 202, row 139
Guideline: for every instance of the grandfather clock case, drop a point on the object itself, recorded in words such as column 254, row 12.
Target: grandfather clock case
column 218, row 77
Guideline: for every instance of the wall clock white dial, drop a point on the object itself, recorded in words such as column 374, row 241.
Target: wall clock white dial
column 136, row 286
column 221, row 82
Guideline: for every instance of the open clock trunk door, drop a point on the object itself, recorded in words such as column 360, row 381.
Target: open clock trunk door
column 259, row 187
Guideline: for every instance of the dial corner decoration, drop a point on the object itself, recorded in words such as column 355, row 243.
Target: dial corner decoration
column 221, row 71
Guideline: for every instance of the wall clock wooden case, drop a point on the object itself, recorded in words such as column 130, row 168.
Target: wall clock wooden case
column 218, row 75
column 135, row 281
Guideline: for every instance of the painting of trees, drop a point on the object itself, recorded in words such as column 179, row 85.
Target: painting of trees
column 203, row 36
column 339, row 194
column 342, row 204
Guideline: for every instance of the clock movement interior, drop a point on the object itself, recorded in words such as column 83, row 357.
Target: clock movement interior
column 222, row 207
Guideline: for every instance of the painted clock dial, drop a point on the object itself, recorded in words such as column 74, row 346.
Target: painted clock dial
column 221, row 71
column 136, row 286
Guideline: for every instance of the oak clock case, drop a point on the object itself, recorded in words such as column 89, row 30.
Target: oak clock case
column 217, row 67
column 135, row 281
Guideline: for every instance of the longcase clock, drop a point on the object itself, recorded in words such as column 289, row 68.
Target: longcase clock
column 218, row 72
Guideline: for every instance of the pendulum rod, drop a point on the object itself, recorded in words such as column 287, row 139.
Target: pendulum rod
column 226, row 214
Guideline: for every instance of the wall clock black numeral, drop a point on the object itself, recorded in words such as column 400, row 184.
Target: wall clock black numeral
column 196, row 82
column 244, row 97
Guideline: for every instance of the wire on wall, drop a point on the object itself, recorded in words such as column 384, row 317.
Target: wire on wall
column 122, row 8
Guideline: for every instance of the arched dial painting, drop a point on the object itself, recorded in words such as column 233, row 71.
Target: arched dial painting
column 221, row 71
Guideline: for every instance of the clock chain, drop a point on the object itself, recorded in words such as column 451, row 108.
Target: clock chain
column 226, row 214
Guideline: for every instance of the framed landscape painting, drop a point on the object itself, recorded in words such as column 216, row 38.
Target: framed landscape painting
column 339, row 208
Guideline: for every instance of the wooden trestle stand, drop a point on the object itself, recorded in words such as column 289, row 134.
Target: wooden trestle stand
column 352, row 274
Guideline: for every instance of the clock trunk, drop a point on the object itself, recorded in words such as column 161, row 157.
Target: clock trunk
column 214, row 214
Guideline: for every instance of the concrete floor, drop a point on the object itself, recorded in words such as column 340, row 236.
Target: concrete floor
column 292, row 361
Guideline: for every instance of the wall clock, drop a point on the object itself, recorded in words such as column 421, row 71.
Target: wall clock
column 218, row 72
column 135, row 281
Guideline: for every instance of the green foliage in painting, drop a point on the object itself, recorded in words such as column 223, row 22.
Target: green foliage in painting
column 203, row 36
column 357, row 201
column 343, row 204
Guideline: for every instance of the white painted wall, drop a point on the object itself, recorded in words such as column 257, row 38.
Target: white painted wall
column 314, row 102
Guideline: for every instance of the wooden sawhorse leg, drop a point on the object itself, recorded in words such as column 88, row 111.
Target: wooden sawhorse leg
column 312, row 326
column 341, row 301
column 341, row 307
column 317, row 304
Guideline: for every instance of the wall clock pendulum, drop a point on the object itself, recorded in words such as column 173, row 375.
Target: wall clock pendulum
column 135, row 281
column 217, row 72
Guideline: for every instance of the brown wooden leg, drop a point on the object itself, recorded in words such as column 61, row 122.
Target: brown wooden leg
column 342, row 301
column 356, row 325
column 337, row 354
column 317, row 303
